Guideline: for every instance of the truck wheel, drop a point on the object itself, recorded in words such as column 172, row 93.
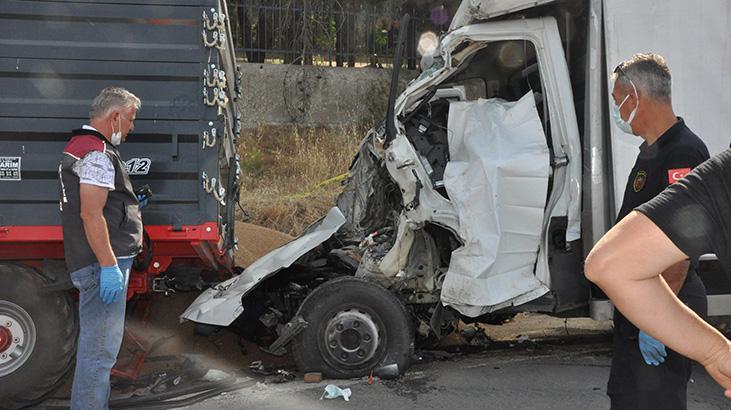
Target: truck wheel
column 354, row 326
column 38, row 333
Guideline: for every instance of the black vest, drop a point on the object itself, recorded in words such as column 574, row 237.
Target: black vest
column 122, row 212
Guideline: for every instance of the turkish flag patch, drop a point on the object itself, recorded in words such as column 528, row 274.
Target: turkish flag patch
column 674, row 175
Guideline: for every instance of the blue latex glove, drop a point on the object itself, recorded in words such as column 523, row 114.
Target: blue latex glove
column 110, row 283
column 143, row 200
column 653, row 351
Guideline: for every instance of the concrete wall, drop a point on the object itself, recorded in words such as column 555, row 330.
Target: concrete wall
column 288, row 94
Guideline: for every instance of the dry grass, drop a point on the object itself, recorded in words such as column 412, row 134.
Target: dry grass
column 283, row 172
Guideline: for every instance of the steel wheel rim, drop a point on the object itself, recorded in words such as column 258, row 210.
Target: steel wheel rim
column 351, row 338
column 23, row 337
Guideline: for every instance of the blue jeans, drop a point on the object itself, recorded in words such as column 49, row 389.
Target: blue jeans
column 100, row 337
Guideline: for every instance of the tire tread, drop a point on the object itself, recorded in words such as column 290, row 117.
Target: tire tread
column 52, row 376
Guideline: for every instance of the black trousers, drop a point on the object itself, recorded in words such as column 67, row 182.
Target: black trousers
column 633, row 384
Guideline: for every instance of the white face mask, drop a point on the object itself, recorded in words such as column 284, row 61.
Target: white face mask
column 117, row 135
column 623, row 125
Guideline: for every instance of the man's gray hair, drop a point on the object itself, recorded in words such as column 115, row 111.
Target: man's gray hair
column 111, row 98
column 649, row 73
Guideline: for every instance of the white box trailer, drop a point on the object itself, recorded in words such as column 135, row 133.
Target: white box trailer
column 496, row 171
column 695, row 39
column 693, row 36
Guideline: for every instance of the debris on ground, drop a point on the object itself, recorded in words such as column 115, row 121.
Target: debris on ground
column 182, row 381
column 272, row 376
column 280, row 376
column 258, row 367
column 333, row 392
column 387, row 372
column 475, row 336
column 313, row 377
column 432, row 355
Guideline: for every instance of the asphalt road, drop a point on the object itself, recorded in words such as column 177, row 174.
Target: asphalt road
column 531, row 362
column 552, row 375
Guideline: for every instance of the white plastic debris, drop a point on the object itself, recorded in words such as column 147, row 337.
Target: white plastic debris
column 333, row 392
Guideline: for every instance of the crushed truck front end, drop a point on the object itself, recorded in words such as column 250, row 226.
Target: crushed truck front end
column 463, row 212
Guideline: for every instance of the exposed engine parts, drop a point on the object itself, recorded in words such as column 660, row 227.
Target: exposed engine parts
column 427, row 131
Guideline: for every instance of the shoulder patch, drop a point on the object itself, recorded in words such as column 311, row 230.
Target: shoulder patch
column 674, row 175
column 639, row 181
column 81, row 145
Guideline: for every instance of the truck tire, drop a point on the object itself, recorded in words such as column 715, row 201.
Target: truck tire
column 38, row 332
column 354, row 326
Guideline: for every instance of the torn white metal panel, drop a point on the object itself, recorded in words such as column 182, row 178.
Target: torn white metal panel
column 422, row 203
column 497, row 179
column 221, row 304
column 398, row 257
column 472, row 11
column 215, row 306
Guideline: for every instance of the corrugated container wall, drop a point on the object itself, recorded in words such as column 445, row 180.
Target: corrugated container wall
column 175, row 55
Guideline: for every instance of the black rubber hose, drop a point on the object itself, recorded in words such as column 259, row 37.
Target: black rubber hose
column 202, row 391
column 196, row 388
column 188, row 401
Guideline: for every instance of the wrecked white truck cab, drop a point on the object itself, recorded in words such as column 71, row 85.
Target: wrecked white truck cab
column 504, row 178
column 473, row 201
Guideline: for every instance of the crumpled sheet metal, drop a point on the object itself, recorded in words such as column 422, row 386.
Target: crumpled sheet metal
column 566, row 140
column 497, row 179
column 471, row 11
column 221, row 304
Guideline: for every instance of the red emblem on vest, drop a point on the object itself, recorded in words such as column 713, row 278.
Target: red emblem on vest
column 674, row 175
column 639, row 181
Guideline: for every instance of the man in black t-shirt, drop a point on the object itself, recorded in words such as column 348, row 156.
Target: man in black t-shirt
column 644, row 374
column 695, row 214
column 688, row 219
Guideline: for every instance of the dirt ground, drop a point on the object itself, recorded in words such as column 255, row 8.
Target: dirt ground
column 223, row 349
column 167, row 341
column 255, row 241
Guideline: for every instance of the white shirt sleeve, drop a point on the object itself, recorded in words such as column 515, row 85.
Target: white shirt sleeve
column 95, row 168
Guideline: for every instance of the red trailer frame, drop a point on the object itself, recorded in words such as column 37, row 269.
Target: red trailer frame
column 200, row 245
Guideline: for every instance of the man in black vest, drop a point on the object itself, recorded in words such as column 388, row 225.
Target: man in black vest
column 102, row 233
column 644, row 374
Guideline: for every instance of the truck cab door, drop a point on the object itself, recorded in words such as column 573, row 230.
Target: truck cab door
column 505, row 258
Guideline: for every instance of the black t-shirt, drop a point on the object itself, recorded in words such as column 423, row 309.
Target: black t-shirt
column 695, row 213
column 666, row 161
column 671, row 157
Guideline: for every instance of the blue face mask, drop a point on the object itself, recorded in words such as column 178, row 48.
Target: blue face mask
column 623, row 125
